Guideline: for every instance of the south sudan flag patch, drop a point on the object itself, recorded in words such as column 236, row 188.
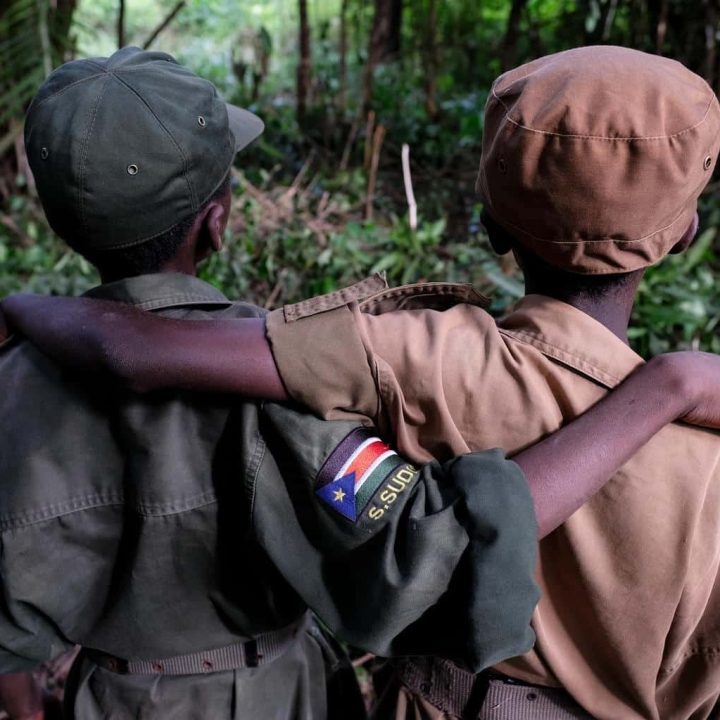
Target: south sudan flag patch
column 354, row 472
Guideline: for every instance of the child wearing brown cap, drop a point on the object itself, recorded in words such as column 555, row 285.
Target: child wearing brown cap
column 593, row 161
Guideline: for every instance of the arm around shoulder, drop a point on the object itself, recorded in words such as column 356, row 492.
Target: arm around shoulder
column 147, row 352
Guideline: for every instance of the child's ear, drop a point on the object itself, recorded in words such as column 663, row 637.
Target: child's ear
column 215, row 222
column 687, row 239
column 501, row 244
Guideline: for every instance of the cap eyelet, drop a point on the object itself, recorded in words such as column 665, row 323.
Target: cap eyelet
column 201, row 121
column 707, row 163
column 502, row 165
column 132, row 169
column 44, row 153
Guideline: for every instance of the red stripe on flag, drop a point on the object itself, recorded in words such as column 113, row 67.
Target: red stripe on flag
column 366, row 458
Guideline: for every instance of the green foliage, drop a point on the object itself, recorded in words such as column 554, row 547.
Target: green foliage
column 33, row 37
column 678, row 303
column 299, row 224
column 33, row 260
column 292, row 256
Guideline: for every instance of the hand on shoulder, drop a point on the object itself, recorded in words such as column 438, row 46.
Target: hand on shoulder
column 692, row 379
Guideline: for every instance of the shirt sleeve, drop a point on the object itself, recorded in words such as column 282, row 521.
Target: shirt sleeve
column 405, row 371
column 324, row 362
column 399, row 560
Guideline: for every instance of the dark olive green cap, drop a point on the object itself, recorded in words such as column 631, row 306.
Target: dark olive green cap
column 124, row 148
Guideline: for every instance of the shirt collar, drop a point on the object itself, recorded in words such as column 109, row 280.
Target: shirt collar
column 160, row 290
column 571, row 337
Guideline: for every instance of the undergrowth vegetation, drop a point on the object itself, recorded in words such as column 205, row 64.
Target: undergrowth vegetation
column 304, row 220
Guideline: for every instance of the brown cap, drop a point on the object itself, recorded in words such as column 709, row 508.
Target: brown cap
column 594, row 158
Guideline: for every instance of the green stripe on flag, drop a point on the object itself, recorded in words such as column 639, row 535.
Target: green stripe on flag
column 375, row 480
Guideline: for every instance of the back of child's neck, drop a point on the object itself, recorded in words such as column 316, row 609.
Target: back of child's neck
column 612, row 309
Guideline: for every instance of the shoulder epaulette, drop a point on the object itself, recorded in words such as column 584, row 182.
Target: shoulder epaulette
column 427, row 296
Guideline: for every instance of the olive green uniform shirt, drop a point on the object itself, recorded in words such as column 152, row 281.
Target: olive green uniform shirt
column 174, row 523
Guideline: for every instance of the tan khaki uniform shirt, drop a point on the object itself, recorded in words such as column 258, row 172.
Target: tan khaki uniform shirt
column 629, row 621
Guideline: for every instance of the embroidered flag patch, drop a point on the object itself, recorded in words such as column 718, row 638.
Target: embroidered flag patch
column 354, row 471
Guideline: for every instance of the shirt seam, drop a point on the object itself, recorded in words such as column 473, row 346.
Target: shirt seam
column 253, row 471
column 464, row 292
column 566, row 356
column 712, row 651
column 18, row 520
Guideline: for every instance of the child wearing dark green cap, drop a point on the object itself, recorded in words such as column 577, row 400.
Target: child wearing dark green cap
column 234, row 356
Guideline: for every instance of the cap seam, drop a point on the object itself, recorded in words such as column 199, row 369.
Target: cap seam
column 193, row 199
column 144, row 67
column 100, row 67
column 66, row 88
column 132, row 243
column 86, row 144
column 606, row 240
column 577, row 136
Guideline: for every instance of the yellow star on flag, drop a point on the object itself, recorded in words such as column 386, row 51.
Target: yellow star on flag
column 339, row 495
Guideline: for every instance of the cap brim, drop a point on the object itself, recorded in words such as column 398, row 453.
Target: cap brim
column 245, row 126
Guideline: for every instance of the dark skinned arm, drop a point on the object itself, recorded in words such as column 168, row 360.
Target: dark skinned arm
column 147, row 352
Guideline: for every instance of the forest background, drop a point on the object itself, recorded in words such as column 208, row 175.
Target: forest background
column 320, row 200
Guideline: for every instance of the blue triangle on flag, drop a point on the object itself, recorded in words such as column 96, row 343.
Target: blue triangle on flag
column 340, row 495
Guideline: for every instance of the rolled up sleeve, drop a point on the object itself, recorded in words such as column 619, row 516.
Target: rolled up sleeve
column 324, row 363
column 437, row 562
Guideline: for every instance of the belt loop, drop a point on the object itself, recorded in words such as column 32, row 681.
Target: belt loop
column 477, row 697
column 251, row 654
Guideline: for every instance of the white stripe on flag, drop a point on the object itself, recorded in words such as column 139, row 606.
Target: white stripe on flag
column 351, row 459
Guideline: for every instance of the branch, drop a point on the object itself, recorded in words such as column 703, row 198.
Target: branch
column 409, row 194
column 378, row 137
column 163, row 24
column 121, row 25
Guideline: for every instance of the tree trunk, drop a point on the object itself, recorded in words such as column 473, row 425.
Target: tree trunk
column 342, row 64
column 432, row 60
column 386, row 30
column 304, row 69
column 661, row 29
column 607, row 19
column 508, row 55
column 121, row 24
column 384, row 43
column 711, row 30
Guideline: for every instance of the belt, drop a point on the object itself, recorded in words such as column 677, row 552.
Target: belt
column 260, row 650
column 487, row 696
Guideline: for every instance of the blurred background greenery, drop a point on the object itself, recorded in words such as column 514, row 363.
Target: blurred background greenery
column 342, row 84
